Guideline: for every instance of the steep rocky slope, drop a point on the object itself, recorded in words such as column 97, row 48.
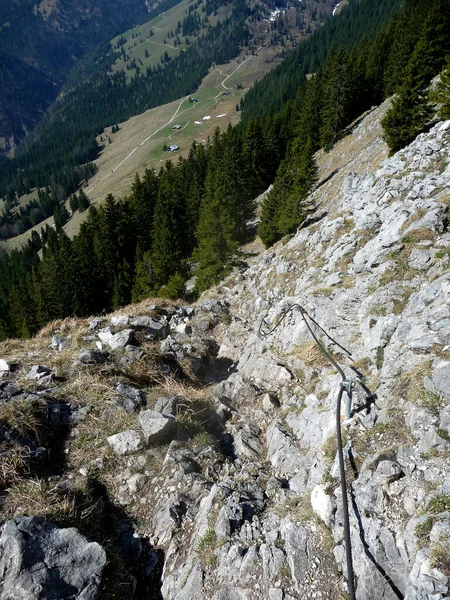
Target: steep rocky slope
column 197, row 444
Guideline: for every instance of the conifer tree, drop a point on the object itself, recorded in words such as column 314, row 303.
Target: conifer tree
column 272, row 203
column 144, row 279
column 83, row 201
column 304, row 175
column 166, row 244
column 88, row 291
column 411, row 109
column 336, row 98
column 441, row 95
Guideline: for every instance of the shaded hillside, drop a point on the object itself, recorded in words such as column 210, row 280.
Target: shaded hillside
column 40, row 44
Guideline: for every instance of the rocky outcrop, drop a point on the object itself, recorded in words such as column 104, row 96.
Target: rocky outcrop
column 38, row 560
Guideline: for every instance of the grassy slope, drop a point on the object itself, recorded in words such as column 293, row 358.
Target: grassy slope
column 161, row 26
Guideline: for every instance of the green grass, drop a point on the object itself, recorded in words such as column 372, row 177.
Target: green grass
column 159, row 42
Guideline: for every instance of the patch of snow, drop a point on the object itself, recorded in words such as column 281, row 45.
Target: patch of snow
column 207, row 118
column 224, row 115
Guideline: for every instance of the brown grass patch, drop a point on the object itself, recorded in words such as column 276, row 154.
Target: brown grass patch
column 418, row 235
column 23, row 416
column 410, row 384
column 311, row 355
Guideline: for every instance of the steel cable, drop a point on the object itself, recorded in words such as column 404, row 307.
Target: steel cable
column 346, row 386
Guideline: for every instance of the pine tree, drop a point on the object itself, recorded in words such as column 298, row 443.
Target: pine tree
column 272, row 203
column 304, row 175
column 336, row 98
column 441, row 95
column 144, row 280
column 166, row 244
column 411, row 110
column 83, row 201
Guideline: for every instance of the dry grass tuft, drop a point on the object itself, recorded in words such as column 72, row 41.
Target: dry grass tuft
column 23, row 416
column 37, row 498
column 62, row 326
column 311, row 355
column 418, row 235
column 410, row 384
column 440, row 556
column 174, row 387
column 13, row 465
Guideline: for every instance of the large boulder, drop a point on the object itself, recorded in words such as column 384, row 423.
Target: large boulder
column 38, row 560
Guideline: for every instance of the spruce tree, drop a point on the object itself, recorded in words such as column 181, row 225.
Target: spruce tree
column 166, row 244
column 441, row 94
column 411, row 109
column 304, row 175
column 336, row 98
column 144, row 280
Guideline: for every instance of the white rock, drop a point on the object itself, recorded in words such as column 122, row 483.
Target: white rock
column 156, row 427
column 323, row 504
column 125, row 442
column 4, row 366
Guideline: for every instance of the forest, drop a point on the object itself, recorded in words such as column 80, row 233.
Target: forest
column 190, row 218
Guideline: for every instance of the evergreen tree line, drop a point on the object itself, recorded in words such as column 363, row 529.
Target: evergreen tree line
column 194, row 213
column 403, row 56
column 49, row 201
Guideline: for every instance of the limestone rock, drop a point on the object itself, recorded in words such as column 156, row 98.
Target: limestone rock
column 5, row 367
column 156, row 427
column 125, row 442
column 93, row 357
column 130, row 398
column 116, row 340
column 38, row 560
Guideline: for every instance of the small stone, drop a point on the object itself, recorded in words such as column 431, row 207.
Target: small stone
column 129, row 397
column 120, row 321
column 59, row 343
column 125, row 442
column 93, row 357
column 137, row 482
column 37, row 372
column 156, row 427
column 4, row 366
column 116, row 340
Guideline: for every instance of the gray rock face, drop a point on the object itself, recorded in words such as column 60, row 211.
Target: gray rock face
column 38, row 560
column 441, row 378
column 156, row 427
column 282, row 450
column 194, row 585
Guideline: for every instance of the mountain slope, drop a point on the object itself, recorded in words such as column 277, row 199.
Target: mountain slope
column 233, row 490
